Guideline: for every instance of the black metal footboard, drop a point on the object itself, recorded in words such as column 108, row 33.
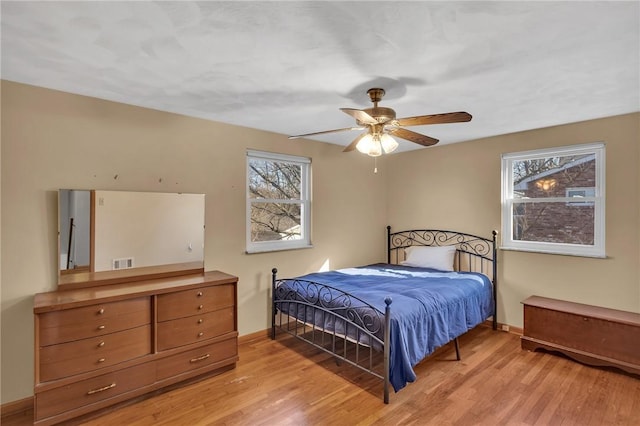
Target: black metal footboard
column 336, row 322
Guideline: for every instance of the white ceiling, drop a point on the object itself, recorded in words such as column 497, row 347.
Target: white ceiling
column 287, row 67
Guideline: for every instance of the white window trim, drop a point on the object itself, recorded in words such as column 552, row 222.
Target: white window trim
column 305, row 200
column 595, row 250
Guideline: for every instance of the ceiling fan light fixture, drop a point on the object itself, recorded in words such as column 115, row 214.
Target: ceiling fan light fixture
column 388, row 143
column 370, row 145
column 374, row 145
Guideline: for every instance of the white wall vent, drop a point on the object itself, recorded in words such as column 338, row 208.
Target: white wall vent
column 123, row 263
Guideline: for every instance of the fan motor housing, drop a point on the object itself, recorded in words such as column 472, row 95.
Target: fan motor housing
column 381, row 114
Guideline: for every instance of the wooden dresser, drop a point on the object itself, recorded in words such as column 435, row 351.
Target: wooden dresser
column 590, row 334
column 98, row 346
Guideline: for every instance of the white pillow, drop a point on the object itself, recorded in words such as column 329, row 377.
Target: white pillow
column 430, row 257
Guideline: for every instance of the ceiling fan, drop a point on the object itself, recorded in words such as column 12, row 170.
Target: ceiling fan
column 380, row 123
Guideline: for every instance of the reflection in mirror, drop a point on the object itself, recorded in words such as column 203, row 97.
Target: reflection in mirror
column 74, row 229
column 113, row 230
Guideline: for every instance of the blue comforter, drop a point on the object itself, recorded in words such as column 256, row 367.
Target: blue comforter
column 429, row 309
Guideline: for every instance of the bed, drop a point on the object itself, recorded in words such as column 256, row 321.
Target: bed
column 385, row 318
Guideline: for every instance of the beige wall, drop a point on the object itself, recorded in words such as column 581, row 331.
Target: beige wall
column 458, row 187
column 53, row 140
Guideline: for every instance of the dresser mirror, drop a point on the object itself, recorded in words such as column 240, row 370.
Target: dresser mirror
column 116, row 233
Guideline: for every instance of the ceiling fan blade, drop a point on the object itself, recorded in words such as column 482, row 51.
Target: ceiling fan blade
column 413, row 136
column 326, row 131
column 449, row 117
column 353, row 144
column 360, row 115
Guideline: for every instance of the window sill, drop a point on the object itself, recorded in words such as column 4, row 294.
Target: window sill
column 541, row 251
column 271, row 250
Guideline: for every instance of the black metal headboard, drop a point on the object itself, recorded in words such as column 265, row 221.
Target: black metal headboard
column 473, row 253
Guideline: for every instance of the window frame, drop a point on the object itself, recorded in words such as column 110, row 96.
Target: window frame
column 508, row 202
column 304, row 201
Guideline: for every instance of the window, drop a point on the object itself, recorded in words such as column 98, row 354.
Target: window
column 278, row 202
column 553, row 200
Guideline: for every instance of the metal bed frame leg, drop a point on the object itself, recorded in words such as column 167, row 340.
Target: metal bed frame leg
column 455, row 341
column 387, row 346
column 274, row 271
column 495, row 280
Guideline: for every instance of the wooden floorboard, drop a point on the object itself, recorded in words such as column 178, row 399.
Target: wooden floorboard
column 286, row 382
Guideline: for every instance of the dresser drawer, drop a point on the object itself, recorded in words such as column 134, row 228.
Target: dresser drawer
column 90, row 391
column 67, row 359
column 193, row 329
column 198, row 358
column 95, row 320
column 196, row 301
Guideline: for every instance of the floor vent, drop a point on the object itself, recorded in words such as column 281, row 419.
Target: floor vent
column 123, row 263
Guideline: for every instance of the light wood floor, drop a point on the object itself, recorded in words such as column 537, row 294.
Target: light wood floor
column 286, row 382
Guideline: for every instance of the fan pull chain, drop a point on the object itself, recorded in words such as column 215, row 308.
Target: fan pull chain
column 375, row 164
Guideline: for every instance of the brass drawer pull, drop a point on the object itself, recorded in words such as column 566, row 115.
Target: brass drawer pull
column 101, row 344
column 101, row 327
column 199, row 294
column 200, row 334
column 102, row 360
column 101, row 311
column 200, row 321
column 200, row 307
column 200, row 358
column 111, row 386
